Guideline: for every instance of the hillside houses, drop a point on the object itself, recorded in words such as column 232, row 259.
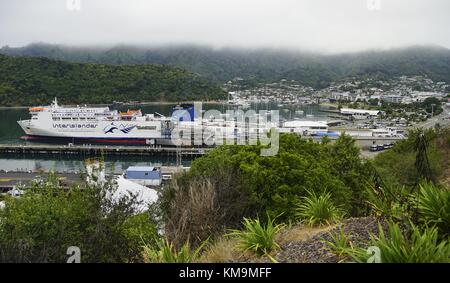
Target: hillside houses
column 400, row 90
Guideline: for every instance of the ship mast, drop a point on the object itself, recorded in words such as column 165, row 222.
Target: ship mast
column 55, row 103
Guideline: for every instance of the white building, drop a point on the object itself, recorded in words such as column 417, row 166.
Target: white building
column 393, row 98
column 359, row 113
column 420, row 96
column 305, row 128
column 340, row 96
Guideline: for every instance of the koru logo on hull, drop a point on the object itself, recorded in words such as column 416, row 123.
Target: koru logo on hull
column 123, row 128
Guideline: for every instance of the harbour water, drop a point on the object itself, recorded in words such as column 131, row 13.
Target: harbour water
column 10, row 133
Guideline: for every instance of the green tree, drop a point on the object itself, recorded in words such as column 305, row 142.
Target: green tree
column 432, row 105
column 41, row 224
column 246, row 184
column 351, row 170
column 36, row 81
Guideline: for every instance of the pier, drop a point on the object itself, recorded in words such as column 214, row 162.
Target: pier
column 98, row 150
column 363, row 142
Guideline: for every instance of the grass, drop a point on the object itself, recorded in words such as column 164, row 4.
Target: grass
column 165, row 252
column 257, row 237
column 318, row 210
column 300, row 233
column 339, row 244
column 221, row 251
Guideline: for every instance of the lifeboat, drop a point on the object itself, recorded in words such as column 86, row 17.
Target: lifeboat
column 130, row 114
column 36, row 109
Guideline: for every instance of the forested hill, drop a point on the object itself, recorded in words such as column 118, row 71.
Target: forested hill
column 267, row 65
column 35, row 81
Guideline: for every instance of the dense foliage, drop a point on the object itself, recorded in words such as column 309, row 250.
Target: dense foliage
column 417, row 246
column 233, row 187
column 417, row 227
column 415, row 204
column 36, row 81
column 245, row 184
column 261, row 65
column 41, row 225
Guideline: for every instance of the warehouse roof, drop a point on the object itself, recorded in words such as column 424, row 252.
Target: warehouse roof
column 141, row 168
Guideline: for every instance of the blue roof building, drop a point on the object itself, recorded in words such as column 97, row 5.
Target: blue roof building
column 147, row 175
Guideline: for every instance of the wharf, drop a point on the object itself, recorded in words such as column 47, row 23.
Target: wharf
column 98, row 150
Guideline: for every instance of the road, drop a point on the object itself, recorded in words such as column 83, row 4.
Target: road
column 443, row 119
column 11, row 179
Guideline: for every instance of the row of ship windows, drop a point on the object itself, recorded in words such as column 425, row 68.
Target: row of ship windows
column 78, row 115
column 72, row 119
column 77, row 110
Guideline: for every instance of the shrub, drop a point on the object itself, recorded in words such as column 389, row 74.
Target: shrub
column 421, row 247
column 41, row 224
column 318, row 210
column 165, row 252
column 434, row 207
column 139, row 229
column 246, row 184
column 257, row 237
column 191, row 212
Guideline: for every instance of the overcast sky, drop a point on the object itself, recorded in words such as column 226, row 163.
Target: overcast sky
column 315, row 25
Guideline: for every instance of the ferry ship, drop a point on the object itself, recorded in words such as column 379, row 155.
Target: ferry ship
column 83, row 124
column 87, row 125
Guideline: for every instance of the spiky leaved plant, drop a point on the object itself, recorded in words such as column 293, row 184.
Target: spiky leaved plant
column 256, row 236
column 318, row 210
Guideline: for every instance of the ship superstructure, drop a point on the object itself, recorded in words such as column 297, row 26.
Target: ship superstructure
column 93, row 124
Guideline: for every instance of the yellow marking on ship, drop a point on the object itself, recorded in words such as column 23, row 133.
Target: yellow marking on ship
column 5, row 179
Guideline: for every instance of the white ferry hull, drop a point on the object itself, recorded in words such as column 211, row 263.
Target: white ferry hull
column 113, row 132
